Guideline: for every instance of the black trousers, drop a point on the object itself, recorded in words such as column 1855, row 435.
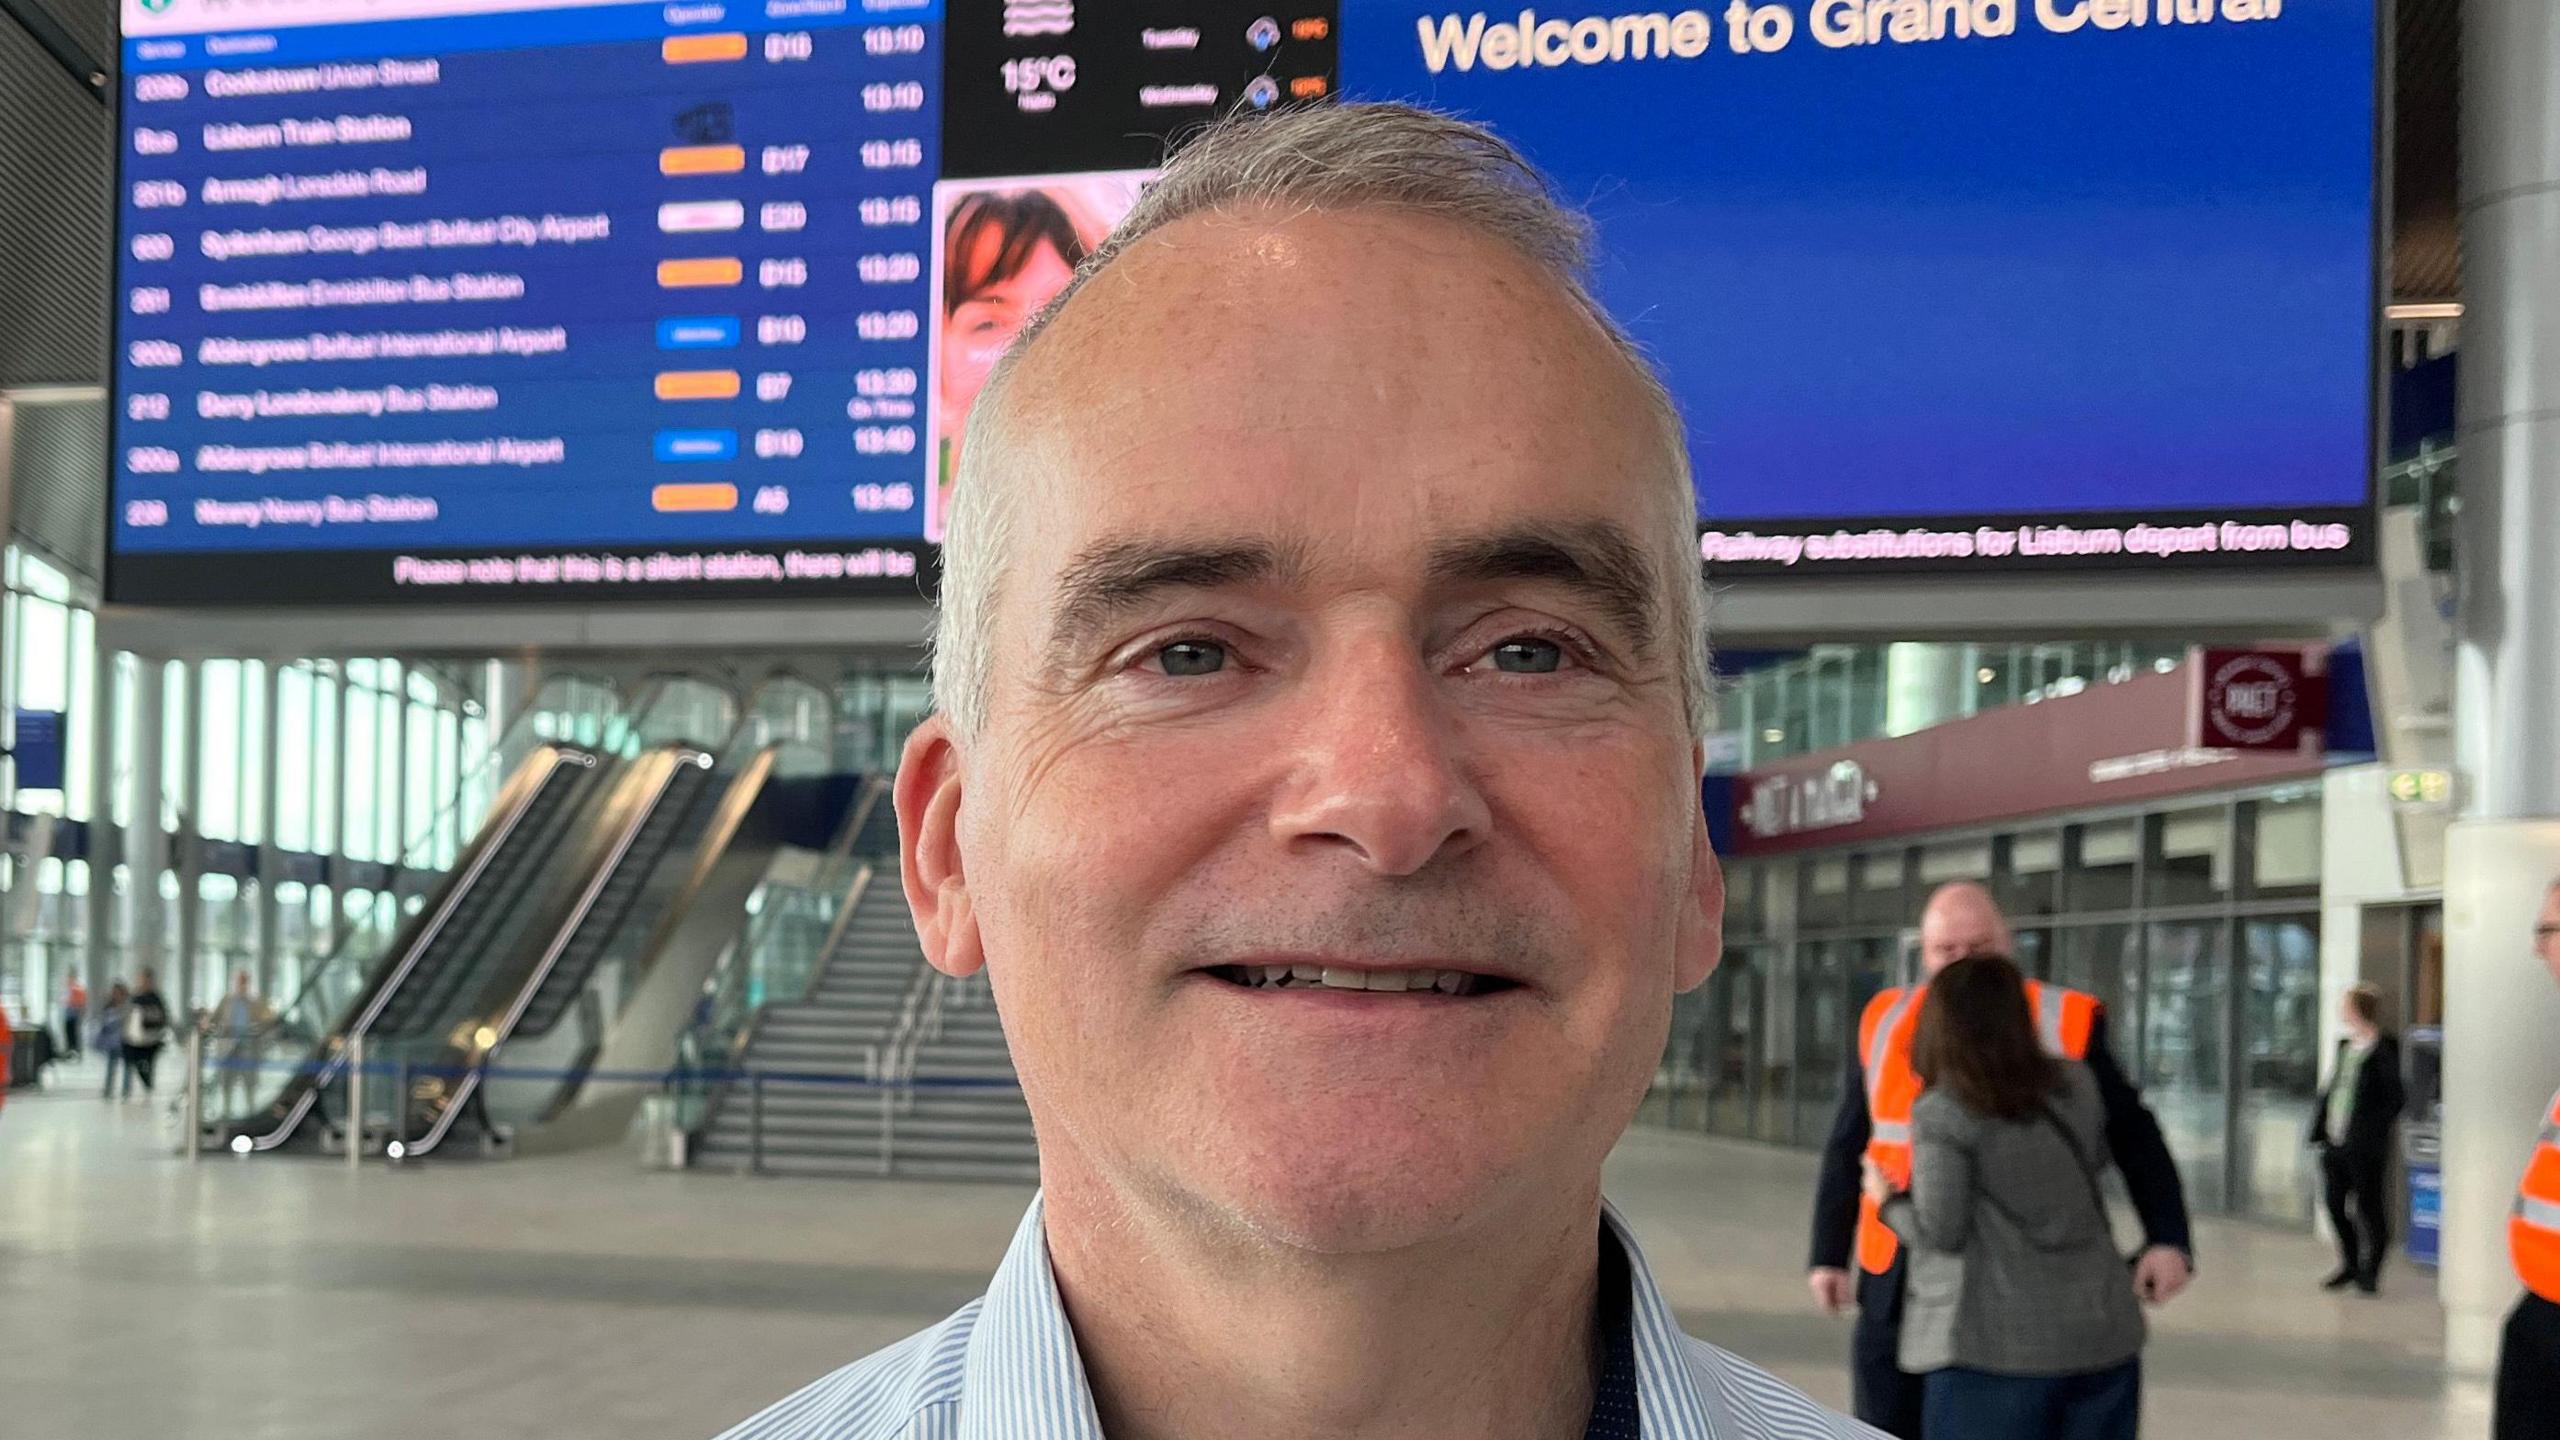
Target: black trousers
column 2529, row 1373
column 138, row 1060
column 1882, row 1393
column 2356, row 1182
column 71, row 1032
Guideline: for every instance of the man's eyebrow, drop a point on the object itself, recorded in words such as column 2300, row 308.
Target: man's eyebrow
column 1115, row 577
column 1594, row 558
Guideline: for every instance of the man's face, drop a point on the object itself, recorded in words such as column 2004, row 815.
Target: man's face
column 1956, row 926
column 2546, row 932
column 1331, row 638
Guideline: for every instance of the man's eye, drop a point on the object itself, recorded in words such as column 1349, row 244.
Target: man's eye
column 1192, row 657
column 1528, row 655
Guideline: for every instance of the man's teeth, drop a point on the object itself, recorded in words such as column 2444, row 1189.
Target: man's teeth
column 1447, row 982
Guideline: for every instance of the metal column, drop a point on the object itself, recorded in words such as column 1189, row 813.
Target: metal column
column 107, row 839
column 2501, row 1008
column 189, row 852
column 270, row 853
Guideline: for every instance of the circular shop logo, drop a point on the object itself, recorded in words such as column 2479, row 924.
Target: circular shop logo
column 2250, row 700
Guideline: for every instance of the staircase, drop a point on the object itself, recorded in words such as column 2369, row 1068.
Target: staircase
column 972, row 1127
column 964, row 1118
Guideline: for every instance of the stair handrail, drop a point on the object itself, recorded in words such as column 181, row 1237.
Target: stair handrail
column 872, row 790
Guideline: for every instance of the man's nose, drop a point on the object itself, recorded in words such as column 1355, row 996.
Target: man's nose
column 1379, row 770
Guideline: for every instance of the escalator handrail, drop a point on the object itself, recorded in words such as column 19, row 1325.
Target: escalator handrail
column 473, row 860
column 551, row 953
column 751, row 780
column 494, row 837
column 321, row 967
column 452, row 900
column 451, row 1109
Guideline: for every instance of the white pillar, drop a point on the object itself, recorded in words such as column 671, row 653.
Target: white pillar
column 2502, row 1013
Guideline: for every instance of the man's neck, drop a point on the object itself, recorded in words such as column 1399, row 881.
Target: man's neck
column 1185, row 1333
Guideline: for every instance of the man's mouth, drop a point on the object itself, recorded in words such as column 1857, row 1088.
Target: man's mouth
column 1416, row 981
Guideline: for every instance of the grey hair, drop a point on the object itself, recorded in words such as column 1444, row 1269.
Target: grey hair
column 1318, row 158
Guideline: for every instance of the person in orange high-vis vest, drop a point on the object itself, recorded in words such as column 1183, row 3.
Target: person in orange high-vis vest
column 2528, row 1403
column 1854, row 1253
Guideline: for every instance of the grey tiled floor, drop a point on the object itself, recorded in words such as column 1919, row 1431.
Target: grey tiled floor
column 578, row 1296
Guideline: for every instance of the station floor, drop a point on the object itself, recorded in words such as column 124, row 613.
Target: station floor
column 568, row 1296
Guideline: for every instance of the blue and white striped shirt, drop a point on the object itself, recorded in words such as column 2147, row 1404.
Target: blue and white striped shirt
column 1005, row 1368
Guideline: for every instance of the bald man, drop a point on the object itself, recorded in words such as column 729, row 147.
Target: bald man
column 1854, row 1253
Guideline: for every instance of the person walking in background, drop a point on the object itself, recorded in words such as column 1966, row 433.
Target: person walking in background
column 1874, row 1122
column 238, row 1029
column 2528, row 1393
column 2020, row 1318
column 146, row 1029
column 2353, row 1127
column 108, row 1036
column 75, row 1009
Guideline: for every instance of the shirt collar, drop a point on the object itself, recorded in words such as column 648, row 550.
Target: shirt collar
column 1022, row 1377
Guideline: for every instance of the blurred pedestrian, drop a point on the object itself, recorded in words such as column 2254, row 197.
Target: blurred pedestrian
column 238, row 1028
column 75, row 1009
column 2020, row 1317
column 2353, row 1126
column 146, row 1029
column 2528, row 1403
column 107, row 1034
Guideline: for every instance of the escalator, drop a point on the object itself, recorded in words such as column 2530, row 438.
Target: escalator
column 660, row 820
column 599, row 1033
column 435, row 948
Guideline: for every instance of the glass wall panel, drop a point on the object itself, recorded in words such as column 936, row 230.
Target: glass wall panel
column 218, row 799
column 1879, row 899
column 1735, row 1058
column 2109, row 852
column 2106, row 961
column 1822, row 1024
column 1826, row 892
column 363, row 777
column 2280, row 1060
column 2285, row 846
column 80, row 734
column 325, row 760
column 2031, row 883
column 252, row 757
column 2184, row 1031
column 419, row 774
column 173, row 742
column 296, row 761
column 2194, row 864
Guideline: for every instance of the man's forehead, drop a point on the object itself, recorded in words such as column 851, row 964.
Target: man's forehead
column 1323, row 380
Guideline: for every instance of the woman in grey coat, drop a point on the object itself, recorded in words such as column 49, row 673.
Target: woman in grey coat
column 2019, row 1308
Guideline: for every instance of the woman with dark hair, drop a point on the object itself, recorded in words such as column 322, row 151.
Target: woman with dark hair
column 2019, row 1310
column 1005, row 255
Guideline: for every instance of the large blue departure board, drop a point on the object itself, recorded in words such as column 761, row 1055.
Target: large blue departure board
column 426, row 300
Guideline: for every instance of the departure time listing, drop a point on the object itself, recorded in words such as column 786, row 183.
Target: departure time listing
column 578, row 294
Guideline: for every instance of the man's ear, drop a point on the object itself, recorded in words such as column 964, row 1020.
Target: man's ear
column 1701, row 942
column 930, row 779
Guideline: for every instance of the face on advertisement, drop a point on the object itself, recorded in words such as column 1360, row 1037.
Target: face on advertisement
column 1333, row 635
column 1005, row 256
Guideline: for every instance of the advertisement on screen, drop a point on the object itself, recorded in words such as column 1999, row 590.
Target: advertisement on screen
column 428, row 300
column 1003, row 249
